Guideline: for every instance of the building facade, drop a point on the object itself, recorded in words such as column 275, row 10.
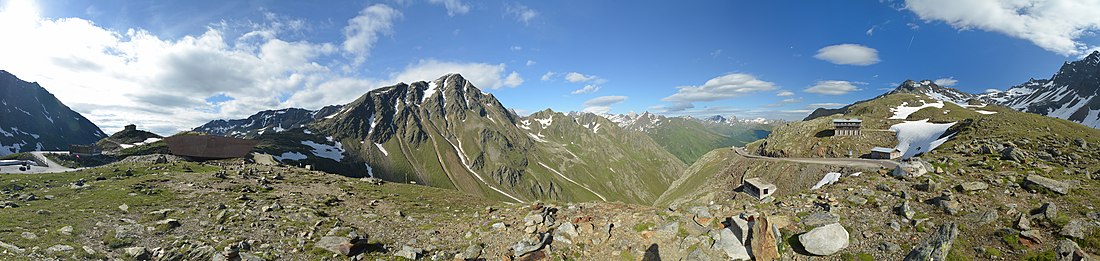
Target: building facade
column 885, row 153
column 847, row 127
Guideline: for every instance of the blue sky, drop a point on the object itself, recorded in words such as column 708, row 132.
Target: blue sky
column 193, row 60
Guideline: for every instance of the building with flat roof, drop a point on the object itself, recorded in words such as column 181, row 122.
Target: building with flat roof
column 885, row 153
column 756, row 188
column 847, row 127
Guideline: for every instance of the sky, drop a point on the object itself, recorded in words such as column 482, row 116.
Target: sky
column 170, row 66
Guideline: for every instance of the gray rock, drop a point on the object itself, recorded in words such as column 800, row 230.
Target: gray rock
column 566, row 232
column 937, row 246
column 1095, row 215
column 12, row 248
column 129, row 231
column 1023, row 222
column 169, row 223
column 529, row 245
column 820, row 219
column 1035, row 181
column 972, row 186
column 1067, row 250
column 499, row 225
column 889, row 247
column 124, row 208
column 905, row 210
column 914, row 168
column 408, row 252
column 534, row 219
column 700, row 211
column 857, row 200
column 697, row 255
column 59, row 248
column 28, row 236
column 668, row 231
column 983, row 217
column 1076, row 228
column 349, row 245
column 473, row 252
column 928, row 185
column 825, row 240
column 1014, row 154
column 250, row 257
column 67, row 230
column 1048, row 211
column 729, row 243
column 137, row 253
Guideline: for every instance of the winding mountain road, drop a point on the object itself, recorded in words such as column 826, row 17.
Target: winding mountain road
column 871, row 163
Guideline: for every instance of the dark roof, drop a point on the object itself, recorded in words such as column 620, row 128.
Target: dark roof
column 209, row 147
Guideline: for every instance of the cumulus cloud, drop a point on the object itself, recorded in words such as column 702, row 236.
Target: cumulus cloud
column 784, row 93
column 946, row 82
column 453, row 6
column 1056, row 26
column 530, row 62
column 825, row 105
column 719, row 88
column 579, row 77
column 521, row 13
column 116, row 78
column 848, row 54
column 363, row 30
column 586, row 89
column 548, row 75
column 483, row 75
column 602, row 104
column 833, row 87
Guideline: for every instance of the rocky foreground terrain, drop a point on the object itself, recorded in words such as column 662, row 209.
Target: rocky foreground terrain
column 160, row 208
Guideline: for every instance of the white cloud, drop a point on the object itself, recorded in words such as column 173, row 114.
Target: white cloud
column 521, row 13
column 946, row 82
column 848, row 54
column 453, row 6
column 362, row 31
column 871, row 31
column 1056, row 26
column 483, row 75
column 784, row 102
column 719, row 88
column 530, row 62
column 833, row 87
column 825, row 105
column 517, row 48
column 579, row 77
column 602, row 104
column 784, row 93
column 548, row 75
column 587, row 89
column 134, row 76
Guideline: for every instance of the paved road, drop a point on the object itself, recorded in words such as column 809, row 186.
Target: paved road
column 51, row 167
column 870, row 163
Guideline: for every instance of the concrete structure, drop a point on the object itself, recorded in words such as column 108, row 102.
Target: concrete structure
column 131, row 127
column 209, row 147
column 885, row 153
column 757, row 188
column 90, row 149
column 847, row 127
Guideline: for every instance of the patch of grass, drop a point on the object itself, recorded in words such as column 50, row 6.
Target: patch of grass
column 1012, row 241
column 1047, row 255
column 993, row 252
column 643, row 226
column 960, row 245
column 857, row 257
column 1091, row 240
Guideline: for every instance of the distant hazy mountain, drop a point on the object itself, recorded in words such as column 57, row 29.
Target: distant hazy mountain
column 1069, row 94
column 689, row 138
column 31, row 118
column 265, row 121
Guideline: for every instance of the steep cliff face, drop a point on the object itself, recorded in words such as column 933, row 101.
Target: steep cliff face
column 31, row 118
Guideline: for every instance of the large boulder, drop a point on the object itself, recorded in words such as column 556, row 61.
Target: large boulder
column 1035, row 181
column 825, row 240
column 728, row 242
column 764, row 242
column 343, row 241
column 1014, row 154
column 937, row 246
column 1067, row 250
column 912, row 168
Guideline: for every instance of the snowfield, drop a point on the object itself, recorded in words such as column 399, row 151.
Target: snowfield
column 326, row 151
column 290, row 156
column 380, row 148
column 985, row 112
column 919, row 136
column 829, row 178
column 903, row 111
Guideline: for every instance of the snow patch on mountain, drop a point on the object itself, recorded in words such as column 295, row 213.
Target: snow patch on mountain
column 333, row 152
column 903, row 111
column 916, row 137
column 290, row 156
column 382, row 149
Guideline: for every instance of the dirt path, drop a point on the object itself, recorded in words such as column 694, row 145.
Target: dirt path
column 827, row 161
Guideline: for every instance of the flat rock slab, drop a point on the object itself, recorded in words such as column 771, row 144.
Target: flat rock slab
column 1048, row 183
column 825, row 240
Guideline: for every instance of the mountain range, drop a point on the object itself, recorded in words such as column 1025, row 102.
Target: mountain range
column 33, row 119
